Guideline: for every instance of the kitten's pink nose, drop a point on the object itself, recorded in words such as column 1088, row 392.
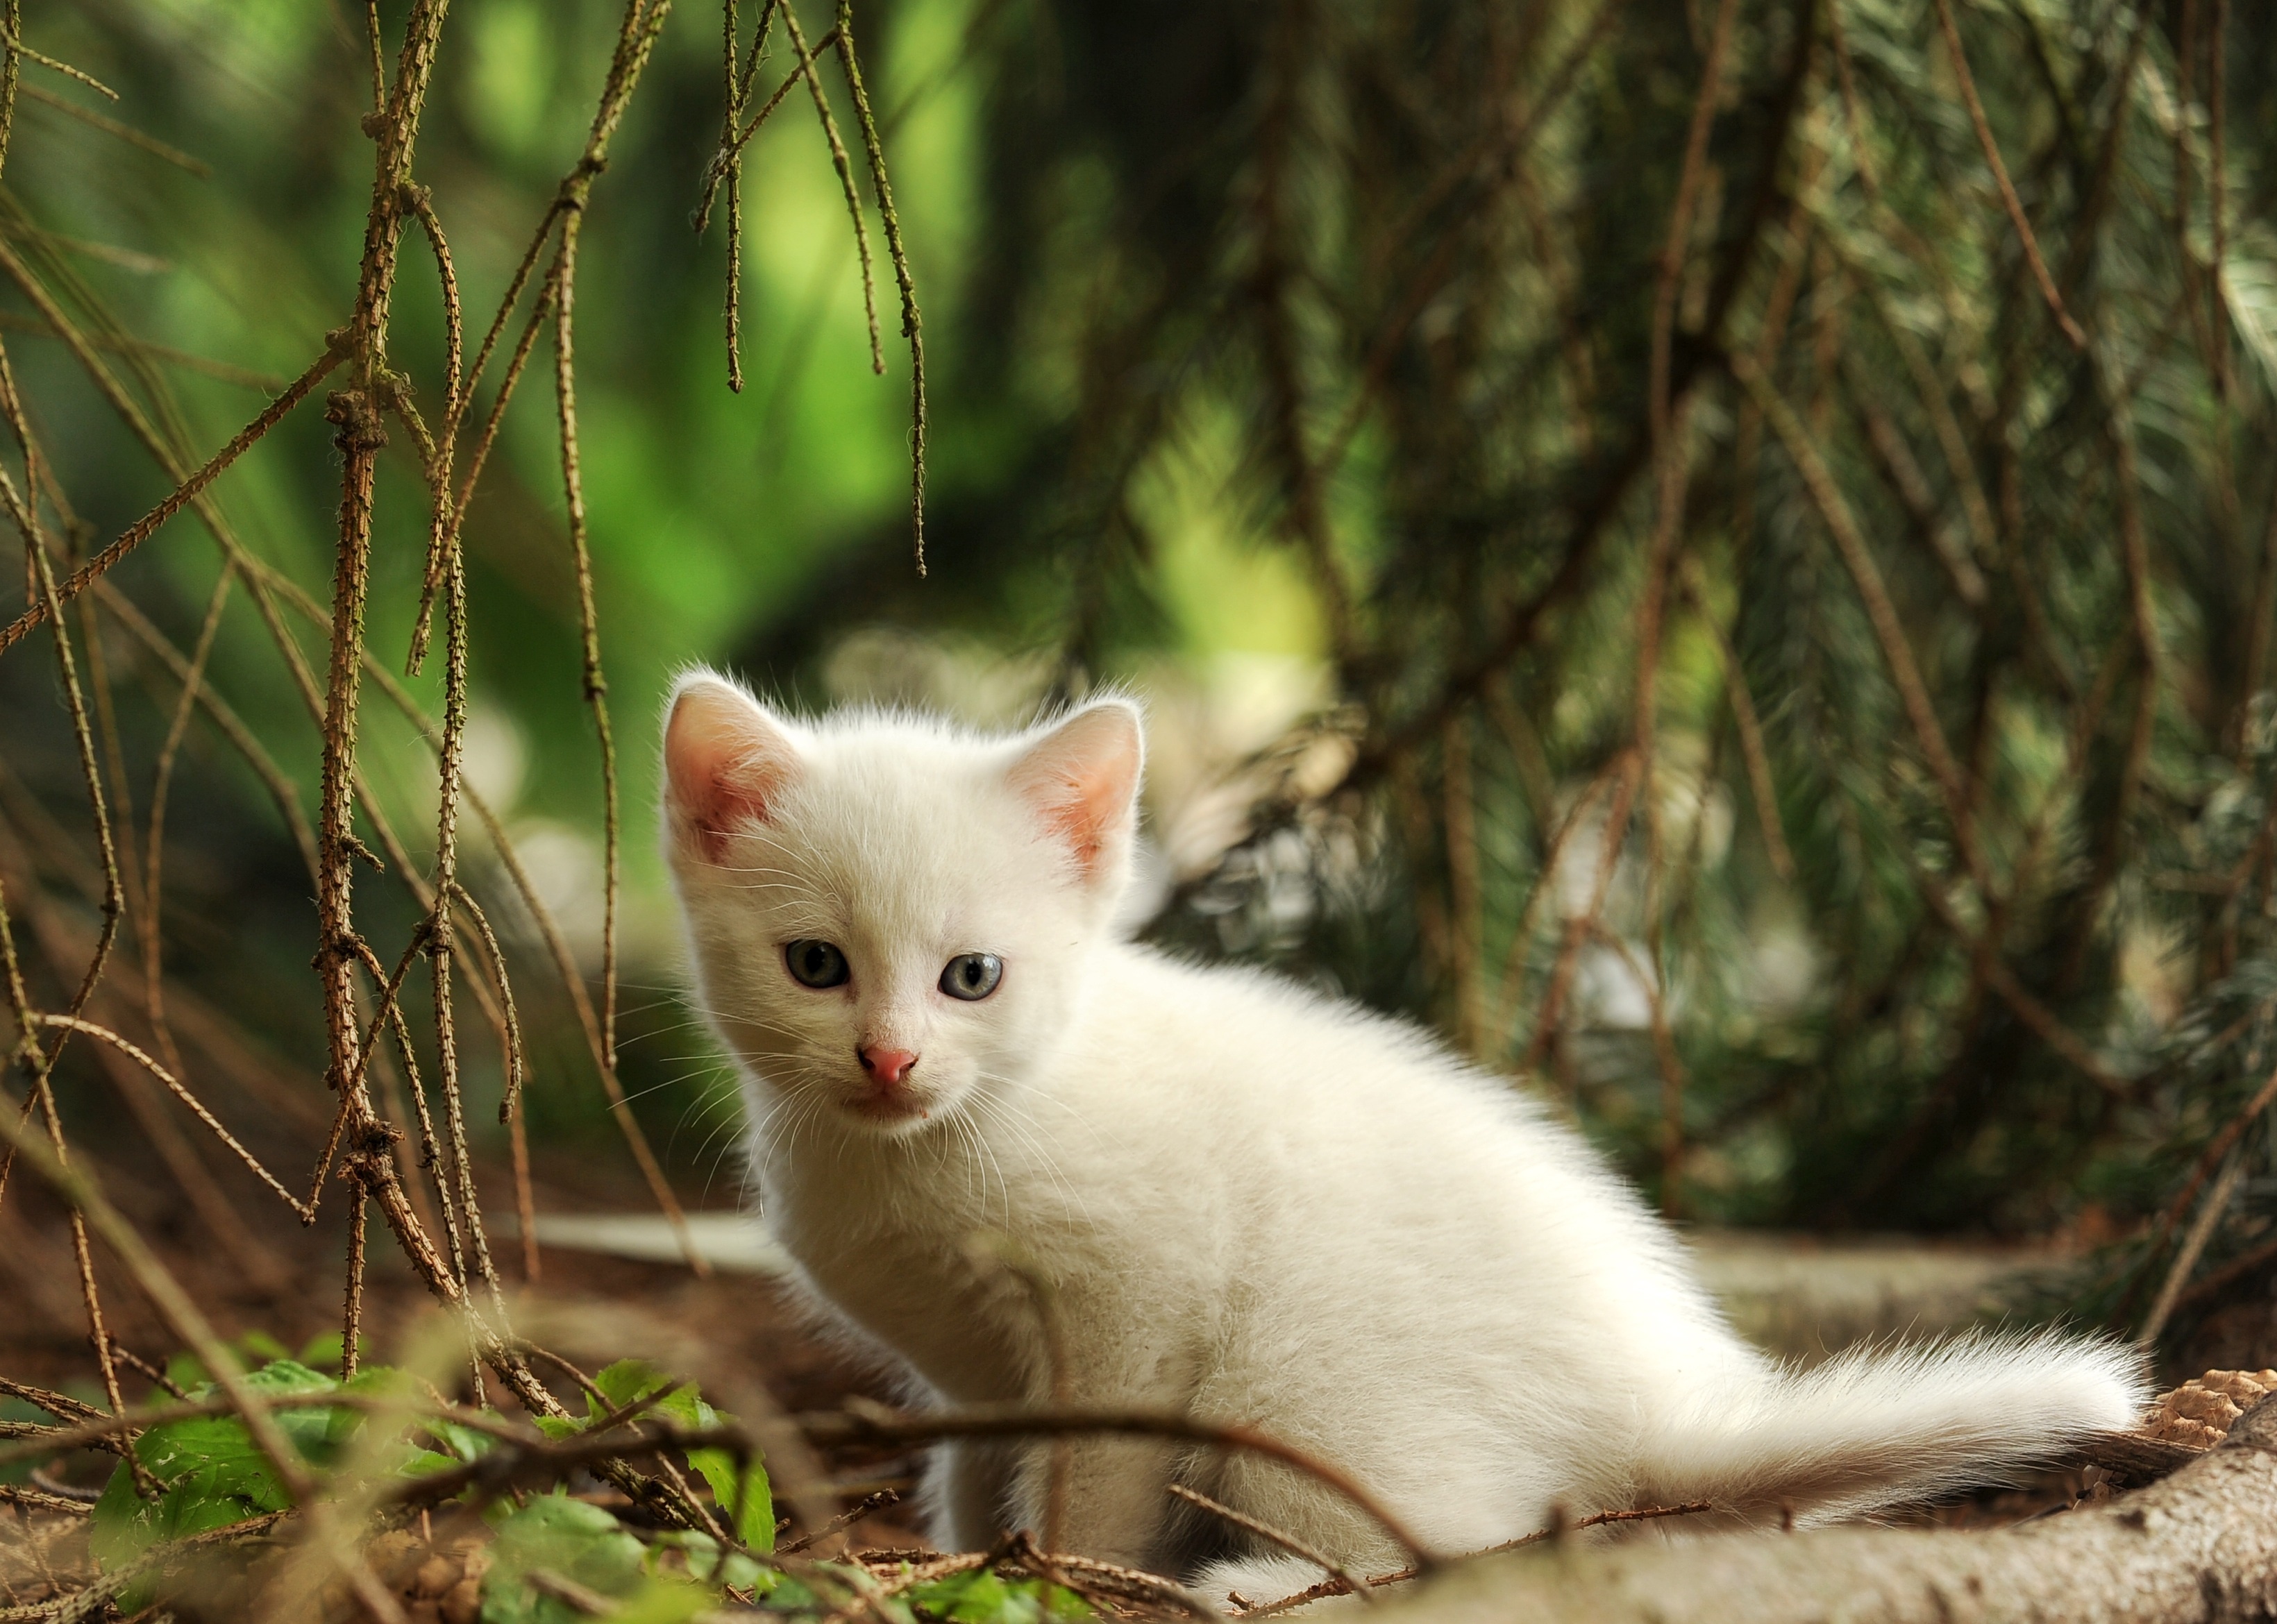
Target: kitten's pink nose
column 888, row 1065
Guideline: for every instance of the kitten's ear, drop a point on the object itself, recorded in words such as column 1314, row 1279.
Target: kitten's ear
column 1081, row 778
column 726, row 760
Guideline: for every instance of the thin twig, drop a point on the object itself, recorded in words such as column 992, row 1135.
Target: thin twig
column 1282, row 1537
column 2009, row 198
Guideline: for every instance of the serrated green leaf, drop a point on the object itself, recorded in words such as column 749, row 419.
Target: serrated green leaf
column 214, row 1475
column 749, row 1501
column 626, row 1382
column 559, row 1535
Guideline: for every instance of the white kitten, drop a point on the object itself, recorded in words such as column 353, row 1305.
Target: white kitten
column 1254, row 1203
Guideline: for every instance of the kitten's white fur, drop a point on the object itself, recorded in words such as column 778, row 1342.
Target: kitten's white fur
column 1253, row 1204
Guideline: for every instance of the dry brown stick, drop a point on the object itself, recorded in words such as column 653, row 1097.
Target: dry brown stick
column 87, row 1427
column 1501, row 146
column 177, row 728
column 186, row 1320
column 2216, row 1148
column 268, row 383
column 2186, row 1258
column 2214, row 1282
column 1752, row 750
column 594, row 684
column 1672, row 1075
column 912, row 322
column 1676, row 248
column 549, row 931
column 27, row 516
column 182, row 495
column 440, row 937
column 876, row 1500
column 450, row 509
column 1352, row 1581
column 431, row 1149
column 637, row 38
column 2002, row 980
column 866, row 1422
column 258, row 576
column 1278, row 252
column 1690, row 1508
column 25, row 510
column 2143, row 622
column 1881, row 613
column 727, row 164
column 2009, row 198
column 356, row 411
column 420, row 201
column 224, row 719
column 1545, row 875
column 174, row 1086
column 845, row 167
column 1466, row 908
column 732, row 173
column 1577, row 926
column 197, row 1183
column 16, row 47
column 126, row 133
column 352, row 1305
column 508, row 1024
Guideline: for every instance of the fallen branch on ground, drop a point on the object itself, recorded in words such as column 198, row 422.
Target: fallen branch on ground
column 2200, row 1545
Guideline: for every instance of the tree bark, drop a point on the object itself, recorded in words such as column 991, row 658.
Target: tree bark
column 2201, row 1545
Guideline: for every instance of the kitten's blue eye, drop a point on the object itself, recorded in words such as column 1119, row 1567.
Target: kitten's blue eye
column 813, row 963
column 972, row 977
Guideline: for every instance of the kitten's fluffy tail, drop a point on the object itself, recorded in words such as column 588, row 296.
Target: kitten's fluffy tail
column 1878, row 1427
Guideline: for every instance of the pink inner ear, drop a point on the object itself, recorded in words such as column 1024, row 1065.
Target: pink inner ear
column 1083, row 780
column 725, row 762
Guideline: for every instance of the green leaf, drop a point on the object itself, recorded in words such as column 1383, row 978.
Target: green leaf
column 17, row 1409
column 260, row 1347
column 214, row 1475
column 983, row 1597
column 749, row 1501
column 561, row 1536
column 666, row 1601
column 323, row 1352
column 626, row 1382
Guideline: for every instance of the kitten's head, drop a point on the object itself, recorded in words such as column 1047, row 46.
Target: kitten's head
column 887, row 914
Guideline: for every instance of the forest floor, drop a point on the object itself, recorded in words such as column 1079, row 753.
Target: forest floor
column 739, row 1332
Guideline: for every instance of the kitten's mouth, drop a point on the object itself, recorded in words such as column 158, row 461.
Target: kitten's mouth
column 889, row 1106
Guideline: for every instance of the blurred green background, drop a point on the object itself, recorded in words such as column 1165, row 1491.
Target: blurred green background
column 1292, row 366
